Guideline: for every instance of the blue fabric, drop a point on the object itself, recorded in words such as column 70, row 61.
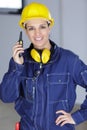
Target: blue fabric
column 39, row 90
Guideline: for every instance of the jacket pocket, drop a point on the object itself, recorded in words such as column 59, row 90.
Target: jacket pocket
column 28, row 89
column 24, row 109
column 57, row 87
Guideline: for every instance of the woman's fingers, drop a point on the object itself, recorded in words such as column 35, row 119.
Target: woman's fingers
column 17, row 50
column 64, row 118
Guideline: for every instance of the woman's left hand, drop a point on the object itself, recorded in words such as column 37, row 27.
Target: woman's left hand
column 64, row 118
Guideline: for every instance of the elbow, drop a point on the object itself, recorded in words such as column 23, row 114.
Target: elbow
column 8, row 98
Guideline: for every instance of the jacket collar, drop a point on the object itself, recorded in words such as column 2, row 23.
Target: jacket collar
column 55, row 51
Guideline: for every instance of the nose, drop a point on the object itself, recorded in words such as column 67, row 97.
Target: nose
column 37, row 32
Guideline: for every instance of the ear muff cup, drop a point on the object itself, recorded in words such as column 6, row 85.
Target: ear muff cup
column 35, row 55
column 44, row 57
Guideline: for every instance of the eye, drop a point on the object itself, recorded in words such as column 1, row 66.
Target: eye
column 43, row 26
column 30, row 28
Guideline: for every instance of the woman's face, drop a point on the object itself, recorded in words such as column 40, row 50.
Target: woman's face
column 38, row 33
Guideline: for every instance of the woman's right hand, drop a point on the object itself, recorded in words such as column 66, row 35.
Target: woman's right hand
column 17, row 50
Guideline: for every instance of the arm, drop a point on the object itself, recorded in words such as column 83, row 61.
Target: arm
column 80, row 78
column 80, row 74
column 10, row 85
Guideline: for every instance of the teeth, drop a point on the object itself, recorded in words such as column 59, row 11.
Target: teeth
column 38, row 39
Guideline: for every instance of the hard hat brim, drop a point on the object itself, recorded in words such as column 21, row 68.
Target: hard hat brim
column 24, row 21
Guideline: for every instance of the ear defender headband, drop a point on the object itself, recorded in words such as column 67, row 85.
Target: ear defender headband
column 42, row 57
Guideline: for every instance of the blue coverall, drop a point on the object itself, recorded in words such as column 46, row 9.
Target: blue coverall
column 39, row 90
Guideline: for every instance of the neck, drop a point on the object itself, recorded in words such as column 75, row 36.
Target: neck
column 47, row 46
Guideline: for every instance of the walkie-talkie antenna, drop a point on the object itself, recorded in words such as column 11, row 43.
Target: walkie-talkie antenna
column 20, row 41
column 20, row 38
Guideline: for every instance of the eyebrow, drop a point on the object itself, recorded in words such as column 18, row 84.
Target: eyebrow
column 29, row 26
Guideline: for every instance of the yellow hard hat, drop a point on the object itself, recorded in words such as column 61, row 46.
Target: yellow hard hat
column 35, row 10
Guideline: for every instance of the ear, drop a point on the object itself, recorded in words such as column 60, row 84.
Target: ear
column 50, row 29
column 25, row 31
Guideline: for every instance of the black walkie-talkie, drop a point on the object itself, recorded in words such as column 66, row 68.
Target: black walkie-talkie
column 20, row 42
column 20, row 39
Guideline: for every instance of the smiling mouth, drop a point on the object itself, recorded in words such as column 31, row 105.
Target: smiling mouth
column 38, row 39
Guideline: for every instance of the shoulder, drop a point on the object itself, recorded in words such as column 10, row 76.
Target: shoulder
column 63, row 51
column 67, row 53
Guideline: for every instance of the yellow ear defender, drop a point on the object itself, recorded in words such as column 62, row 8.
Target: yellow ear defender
column 44, row 57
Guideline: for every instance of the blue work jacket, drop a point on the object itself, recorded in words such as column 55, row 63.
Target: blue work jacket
column 39, row 90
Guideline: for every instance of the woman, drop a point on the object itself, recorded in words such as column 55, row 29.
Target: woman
column 42, row 80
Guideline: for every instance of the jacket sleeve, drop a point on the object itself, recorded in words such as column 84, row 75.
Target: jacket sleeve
column 80, row 77
column 10, row 85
